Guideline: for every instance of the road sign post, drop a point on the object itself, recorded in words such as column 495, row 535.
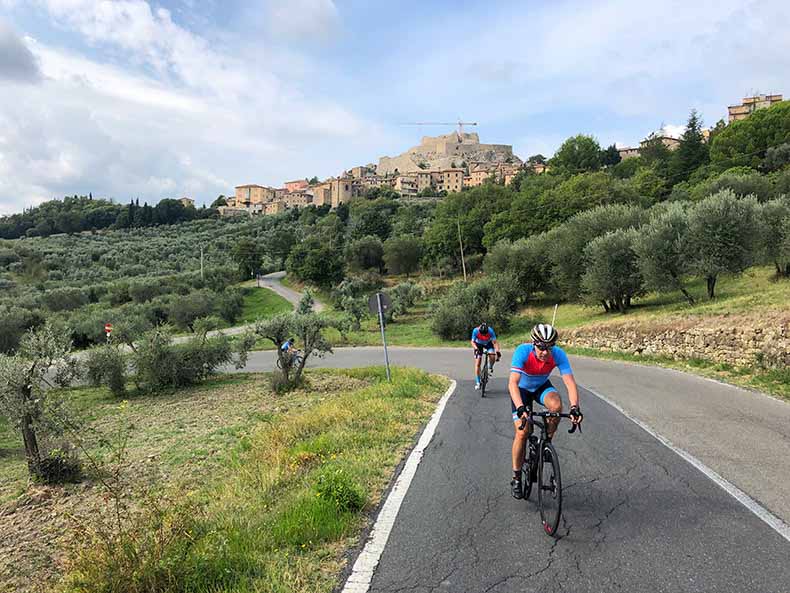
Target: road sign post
column 108, row 331
column 378, row 303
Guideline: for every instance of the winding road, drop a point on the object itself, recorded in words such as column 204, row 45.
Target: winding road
column 274, row 281
column 638, row 514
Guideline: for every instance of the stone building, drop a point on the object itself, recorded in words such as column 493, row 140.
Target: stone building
column 322, row 194
column 446, row 152
column 299, row 185
column 297, row 199
column 628, row 152
column 751, row 104
column 253, row 194
column 406, row 185
column 274, row 207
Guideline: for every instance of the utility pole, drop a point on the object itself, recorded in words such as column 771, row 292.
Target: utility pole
column 461, row 243
column 201, row 263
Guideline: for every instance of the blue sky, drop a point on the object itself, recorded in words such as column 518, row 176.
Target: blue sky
column 137, row 98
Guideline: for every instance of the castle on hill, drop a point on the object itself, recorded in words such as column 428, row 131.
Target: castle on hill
column 447, row 152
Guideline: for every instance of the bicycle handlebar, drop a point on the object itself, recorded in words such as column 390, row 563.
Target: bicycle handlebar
column 528, row 418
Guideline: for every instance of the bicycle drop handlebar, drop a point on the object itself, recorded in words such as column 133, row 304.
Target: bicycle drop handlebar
column 528, row 417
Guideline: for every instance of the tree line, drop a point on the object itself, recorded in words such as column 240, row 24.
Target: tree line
column 75, row 214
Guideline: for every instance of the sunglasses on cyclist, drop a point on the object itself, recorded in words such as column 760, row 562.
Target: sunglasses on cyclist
column 542, row 346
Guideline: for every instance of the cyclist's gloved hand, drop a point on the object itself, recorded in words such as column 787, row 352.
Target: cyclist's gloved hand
column 498, row 356
column 521, row 410
column 576, row 415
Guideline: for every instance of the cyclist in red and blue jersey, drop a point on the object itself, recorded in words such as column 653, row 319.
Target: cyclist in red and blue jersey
column 484, row 342
column 529, row 380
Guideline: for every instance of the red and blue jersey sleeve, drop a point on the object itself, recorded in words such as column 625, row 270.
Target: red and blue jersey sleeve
column 561, row 360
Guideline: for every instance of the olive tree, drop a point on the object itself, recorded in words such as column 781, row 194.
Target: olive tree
column 722, row 235
column 569, row 240
column 307, row 329
column 402, row 254
column 774, row 220
column 661, row 248
column 612, row 277
column 27, row 399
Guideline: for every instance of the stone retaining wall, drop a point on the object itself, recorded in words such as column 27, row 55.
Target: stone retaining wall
column 739, row 340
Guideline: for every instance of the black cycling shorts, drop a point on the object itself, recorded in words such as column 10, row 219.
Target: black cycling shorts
column 530, row 396
column 487, row 347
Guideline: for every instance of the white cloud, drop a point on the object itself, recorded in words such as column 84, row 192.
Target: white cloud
column 17, row 63
column 647, row 61
column 298, row 18
column 175, row 116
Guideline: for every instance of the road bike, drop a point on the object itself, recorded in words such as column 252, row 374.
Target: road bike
column 484, row 362
column 296, row 359
column 542, row 467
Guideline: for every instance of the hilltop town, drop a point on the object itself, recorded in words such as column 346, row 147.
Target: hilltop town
column 437, row 166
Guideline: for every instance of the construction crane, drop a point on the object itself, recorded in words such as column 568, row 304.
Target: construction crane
column 458, row 123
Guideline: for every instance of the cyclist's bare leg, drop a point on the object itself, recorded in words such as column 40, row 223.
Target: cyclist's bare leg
column 519, row 442
column 491, row 360
column 477, row 365
column 553, row 403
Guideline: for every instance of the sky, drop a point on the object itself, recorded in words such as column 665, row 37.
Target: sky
column 143, row 99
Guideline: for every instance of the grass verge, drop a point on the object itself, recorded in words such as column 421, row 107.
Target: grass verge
column 774, row 382
column 287, row 494
column 261, row 303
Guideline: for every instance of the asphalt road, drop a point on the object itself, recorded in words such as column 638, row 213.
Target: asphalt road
column 637, row 516
column 273, row 281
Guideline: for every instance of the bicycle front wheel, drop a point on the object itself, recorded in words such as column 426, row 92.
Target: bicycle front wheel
column 483, row 380
column 549, row 489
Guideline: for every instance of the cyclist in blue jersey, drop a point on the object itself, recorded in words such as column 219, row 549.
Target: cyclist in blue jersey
column 484, row 342
column 529, row 380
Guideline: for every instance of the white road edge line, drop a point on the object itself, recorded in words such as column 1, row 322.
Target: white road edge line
column 772, row 520
column 362, row 573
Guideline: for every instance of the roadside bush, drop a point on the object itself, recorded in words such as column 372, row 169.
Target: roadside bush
column 160, row 364
column 230, row 304
column 493, row 299
column 105, row 365
column 337, row 486
column 403, row 296
column 87, row 326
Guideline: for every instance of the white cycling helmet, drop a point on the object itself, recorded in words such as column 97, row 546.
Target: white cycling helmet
column 545, row 334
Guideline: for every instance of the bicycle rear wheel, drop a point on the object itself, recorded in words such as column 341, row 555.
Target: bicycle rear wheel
column 549, row 489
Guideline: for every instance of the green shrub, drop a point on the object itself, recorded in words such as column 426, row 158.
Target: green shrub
column 106, row 366
column 336, row 485
column 160, row 364
column 493, row 299
column 14, row 322
column 64, row 299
